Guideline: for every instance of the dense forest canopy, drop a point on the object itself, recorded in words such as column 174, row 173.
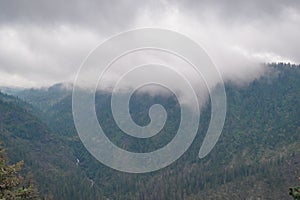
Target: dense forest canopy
column 257, row 156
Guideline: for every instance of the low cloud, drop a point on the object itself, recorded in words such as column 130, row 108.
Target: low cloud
column 45, row 43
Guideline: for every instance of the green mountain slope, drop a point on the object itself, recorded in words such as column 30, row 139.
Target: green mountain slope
column 46, row 155
column 257, row 156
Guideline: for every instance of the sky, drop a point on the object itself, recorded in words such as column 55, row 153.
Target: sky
column 45, row 42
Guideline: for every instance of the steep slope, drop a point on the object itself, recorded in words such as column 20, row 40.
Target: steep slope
column 256, row 157
column 45, row 155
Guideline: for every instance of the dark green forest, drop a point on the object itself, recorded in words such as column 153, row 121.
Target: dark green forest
column 256, row 157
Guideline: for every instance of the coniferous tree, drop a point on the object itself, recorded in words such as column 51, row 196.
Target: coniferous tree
column 295, row 192
column 11, row 182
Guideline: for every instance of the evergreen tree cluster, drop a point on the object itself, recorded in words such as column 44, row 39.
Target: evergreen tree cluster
column 12, row 184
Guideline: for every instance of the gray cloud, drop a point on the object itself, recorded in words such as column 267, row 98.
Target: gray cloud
column 234, row 12
column 101, row 15
column 43, row 42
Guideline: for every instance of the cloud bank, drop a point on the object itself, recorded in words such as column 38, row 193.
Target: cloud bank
column 42, row 43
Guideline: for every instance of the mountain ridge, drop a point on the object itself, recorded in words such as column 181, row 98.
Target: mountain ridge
column 257, row 155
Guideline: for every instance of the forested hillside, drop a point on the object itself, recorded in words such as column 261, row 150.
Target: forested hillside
column 46, row 155
column 257, row 156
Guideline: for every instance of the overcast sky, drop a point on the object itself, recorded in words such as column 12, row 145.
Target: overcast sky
column 44, row 42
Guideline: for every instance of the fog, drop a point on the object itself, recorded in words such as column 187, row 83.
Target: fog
column 45, row 43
